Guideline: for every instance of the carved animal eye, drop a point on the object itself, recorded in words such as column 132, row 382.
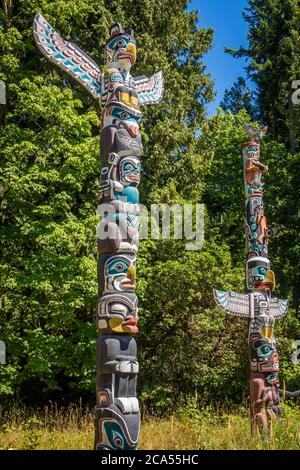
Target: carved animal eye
column 120, row 43
column 264, row 350
column 124, row 115
column 128, row 167
column 261, row 271
column 117, row 267
column 118, row 441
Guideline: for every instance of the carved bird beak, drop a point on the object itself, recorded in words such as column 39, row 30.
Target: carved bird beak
column 131, row 272
column 129, row 281
column 131, row 49
column 270, row 279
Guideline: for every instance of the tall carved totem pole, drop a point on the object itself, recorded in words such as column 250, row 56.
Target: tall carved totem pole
column 258, row 305
column 117, row 415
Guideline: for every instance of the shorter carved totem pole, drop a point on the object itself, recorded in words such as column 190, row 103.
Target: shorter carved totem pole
column 258, row 305
column 117, row 414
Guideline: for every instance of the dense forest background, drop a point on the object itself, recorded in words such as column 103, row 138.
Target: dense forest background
column 49, row 151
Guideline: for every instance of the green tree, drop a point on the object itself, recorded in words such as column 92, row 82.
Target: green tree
column 273, row 52
column 239, row 97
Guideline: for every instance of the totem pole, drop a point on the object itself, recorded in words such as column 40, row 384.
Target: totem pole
column 258, row 305
column 117, row 415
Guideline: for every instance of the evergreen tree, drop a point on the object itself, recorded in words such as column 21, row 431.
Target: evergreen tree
column 273, row 52
column 239, row 97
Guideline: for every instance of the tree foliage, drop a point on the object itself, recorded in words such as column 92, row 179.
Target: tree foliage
column 274, row 63
column 238, row 97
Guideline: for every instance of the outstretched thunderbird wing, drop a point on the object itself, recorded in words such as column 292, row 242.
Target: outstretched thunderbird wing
column 232, row 303
column 278, row 308
column 66, row 55
column 149, row 90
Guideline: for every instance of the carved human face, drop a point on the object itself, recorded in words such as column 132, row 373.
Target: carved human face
column 259, row 275
column 255, row 188
column 253, row 150
column 130, row 171
column 273, row 379
column 264, row 356
column 118, row 313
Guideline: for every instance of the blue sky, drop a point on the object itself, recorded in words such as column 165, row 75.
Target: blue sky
column 230, row 30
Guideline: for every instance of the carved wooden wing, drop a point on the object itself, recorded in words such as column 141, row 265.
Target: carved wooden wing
column 150, row 90
column 232, row 303
column 66, row 55
column 278, row 308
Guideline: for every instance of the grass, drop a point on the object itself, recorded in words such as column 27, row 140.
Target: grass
column 209, row 429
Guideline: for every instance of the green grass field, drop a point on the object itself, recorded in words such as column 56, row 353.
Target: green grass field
column 67, row 429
